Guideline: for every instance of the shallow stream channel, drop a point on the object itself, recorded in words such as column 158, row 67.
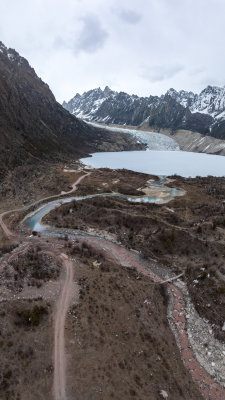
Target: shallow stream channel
column 160, row 194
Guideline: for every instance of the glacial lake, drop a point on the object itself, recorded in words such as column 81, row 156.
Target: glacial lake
column 167, row 163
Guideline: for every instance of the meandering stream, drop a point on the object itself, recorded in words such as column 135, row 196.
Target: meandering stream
column 165, row 194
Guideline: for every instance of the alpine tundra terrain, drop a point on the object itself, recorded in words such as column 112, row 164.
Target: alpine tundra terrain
column 195, row 121
column 112, row 283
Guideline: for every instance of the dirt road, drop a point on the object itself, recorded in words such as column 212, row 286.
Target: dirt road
column 9, row 234
column 74, row 185
column 60, row 316
column 5, row 229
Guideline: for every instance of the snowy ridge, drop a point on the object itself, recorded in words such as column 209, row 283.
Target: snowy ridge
column 210, row 101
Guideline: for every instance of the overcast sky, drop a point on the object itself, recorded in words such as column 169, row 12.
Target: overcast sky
column 139, row 46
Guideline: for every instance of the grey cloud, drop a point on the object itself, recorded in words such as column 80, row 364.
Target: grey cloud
column 92, row 36
column 129, row 16
column 59, row 43
column 196, row 71
column 160, row 72
column 140, row 45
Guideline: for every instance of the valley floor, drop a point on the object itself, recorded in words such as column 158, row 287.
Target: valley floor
column 119, row 337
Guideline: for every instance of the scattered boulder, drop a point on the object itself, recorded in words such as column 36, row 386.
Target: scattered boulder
column 164, row 394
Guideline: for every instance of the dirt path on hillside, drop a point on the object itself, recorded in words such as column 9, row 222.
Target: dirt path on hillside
column 74, row 185
column 8, row 233
column 62, row 306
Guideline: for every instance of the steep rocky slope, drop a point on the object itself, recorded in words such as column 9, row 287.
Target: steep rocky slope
column 204, row 113
column 34, row 126
column 168, row 113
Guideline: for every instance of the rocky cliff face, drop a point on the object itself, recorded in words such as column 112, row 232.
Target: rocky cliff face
column 168, row 113
column 34, row 126
column 202, row 113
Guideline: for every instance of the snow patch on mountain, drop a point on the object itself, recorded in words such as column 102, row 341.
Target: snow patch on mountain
column 12, row 55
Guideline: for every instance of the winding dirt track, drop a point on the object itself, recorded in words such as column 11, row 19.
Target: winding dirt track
column 5, row 229
column 9, row 234
column 59, row 342
column 74, row 185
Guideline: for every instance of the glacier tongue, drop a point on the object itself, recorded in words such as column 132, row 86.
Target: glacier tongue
column 153, row 140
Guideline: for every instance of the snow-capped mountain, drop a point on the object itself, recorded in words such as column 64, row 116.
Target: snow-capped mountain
column 204, row 112
column 110, row 107
column 87, row 104
column 186, row 99
column 210, row 101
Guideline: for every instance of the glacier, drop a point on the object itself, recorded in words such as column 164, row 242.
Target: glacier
column 153, row 140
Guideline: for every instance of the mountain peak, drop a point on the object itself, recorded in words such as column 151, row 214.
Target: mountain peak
column 2, row 47
column 171, row 92
column 107, row 91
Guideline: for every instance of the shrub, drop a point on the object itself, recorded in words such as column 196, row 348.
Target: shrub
column 131, row 236
column 32, row 317
column 221, row 290
column 7, row 374
column 169, row 243
column 202, row 275
column 199, row 229
column 214, row 225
